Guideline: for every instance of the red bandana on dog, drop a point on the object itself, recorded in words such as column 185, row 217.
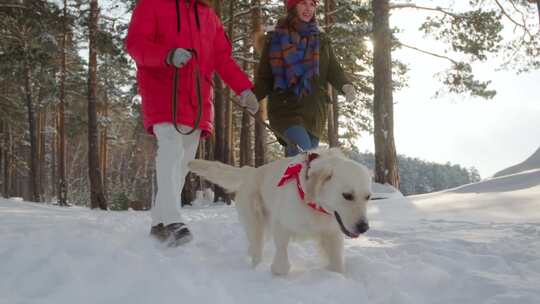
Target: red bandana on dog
column 293, row 174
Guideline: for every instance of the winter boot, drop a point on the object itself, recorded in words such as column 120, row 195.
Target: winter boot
column 172, row 235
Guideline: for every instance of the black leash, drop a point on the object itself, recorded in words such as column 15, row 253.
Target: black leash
column 199, row 98
column 176, row 77
column 262, row 122
column 379, row 198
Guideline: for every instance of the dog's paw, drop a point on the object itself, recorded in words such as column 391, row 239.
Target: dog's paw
column 280, row 268
column 336, row 267
column 255, row 261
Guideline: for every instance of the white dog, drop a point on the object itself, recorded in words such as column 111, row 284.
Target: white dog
column 336, row 189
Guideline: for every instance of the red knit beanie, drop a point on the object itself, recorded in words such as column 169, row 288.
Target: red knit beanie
column 293, row 3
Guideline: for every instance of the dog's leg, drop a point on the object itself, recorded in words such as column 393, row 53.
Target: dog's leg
column 256, row 244
column 332, row 247
column 281, row 265
column 249, row 207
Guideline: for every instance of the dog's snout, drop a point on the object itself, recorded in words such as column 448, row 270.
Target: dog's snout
column 362, row 227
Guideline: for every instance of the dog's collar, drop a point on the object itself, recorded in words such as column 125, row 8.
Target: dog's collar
column 292, row 173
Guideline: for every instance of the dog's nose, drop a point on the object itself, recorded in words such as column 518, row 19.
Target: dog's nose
column 362, row 227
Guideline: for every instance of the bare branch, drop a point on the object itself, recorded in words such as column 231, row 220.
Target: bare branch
column 334, row 12
column 244, row 59
column 428, row 53
column 13, row 5
column 240, row 38
column 242, row 13
column 433, row 9
column 503, row 11
column 519, row 11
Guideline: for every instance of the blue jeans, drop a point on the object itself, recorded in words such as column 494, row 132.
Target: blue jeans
column 299, row 135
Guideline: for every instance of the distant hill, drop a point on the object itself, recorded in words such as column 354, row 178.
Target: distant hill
column 418, row 176
column 506, row 183
column 531, row 163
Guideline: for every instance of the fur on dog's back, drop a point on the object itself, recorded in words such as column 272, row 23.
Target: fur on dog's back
column 229, row 177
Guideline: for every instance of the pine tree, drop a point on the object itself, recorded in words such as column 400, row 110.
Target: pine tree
column 97, row 195
column 386, row 168
column 60, row 121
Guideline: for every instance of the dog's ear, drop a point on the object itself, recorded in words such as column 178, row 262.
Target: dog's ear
column 317, row 176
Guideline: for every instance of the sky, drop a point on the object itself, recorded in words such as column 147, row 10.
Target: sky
column 488, row 134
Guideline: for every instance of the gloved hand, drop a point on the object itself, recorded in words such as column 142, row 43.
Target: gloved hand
column 178, row 57
column 350, row 92
column 249, row 100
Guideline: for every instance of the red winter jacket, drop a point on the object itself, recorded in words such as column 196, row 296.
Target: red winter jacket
column 153, row 32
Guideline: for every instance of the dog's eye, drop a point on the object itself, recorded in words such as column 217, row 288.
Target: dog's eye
column 348, row 196
column 368, row 197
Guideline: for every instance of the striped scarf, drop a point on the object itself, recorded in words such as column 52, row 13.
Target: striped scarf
column 294, row 57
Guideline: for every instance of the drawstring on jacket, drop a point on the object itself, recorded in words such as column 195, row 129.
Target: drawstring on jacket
column 176, row 79
column 177, row 16
column 196, row 7
column 197, row 20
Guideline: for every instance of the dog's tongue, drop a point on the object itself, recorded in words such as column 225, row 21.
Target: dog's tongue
column 343, row 229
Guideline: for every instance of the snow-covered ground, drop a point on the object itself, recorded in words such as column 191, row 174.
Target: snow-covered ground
column 475, row 244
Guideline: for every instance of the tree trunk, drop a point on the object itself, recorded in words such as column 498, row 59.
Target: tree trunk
column 188, row 193
column 386, row 168
column 103, row 153
column 333, row 114
column 199, row 180
column 41, row 125
column 97, row 197
column 228, row 148
column 3, row 156
column 221, row 143
column 33, row 174
column 8, row 156
column 219, row 108
column 260, row 130
column 538, row 6
column 54, row 155
column 246, row 149
column 61, row 135
column 219, row 146
column 335, row 118
column 245, row 141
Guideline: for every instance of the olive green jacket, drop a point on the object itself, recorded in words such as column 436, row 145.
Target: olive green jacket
column 285, row 108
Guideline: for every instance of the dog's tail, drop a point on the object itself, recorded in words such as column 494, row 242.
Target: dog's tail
column 228, row 177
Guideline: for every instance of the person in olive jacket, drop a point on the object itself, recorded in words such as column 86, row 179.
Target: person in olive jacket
column 297, row 63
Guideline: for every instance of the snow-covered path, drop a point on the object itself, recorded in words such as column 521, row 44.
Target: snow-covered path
column 54, row 255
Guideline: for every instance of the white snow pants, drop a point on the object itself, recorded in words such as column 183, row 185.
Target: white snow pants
column 173, row 154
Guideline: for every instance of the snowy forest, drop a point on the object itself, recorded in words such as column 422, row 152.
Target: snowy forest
column 70, row 125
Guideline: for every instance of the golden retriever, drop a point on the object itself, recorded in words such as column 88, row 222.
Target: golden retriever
column 338, row 186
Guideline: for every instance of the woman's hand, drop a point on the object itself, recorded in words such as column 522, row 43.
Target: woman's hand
column 178, row 57
column 249, row 100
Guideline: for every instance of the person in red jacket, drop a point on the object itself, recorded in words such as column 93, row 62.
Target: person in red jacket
column 186, row 37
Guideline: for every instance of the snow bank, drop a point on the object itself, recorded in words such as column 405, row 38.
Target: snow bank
column 459, row 246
